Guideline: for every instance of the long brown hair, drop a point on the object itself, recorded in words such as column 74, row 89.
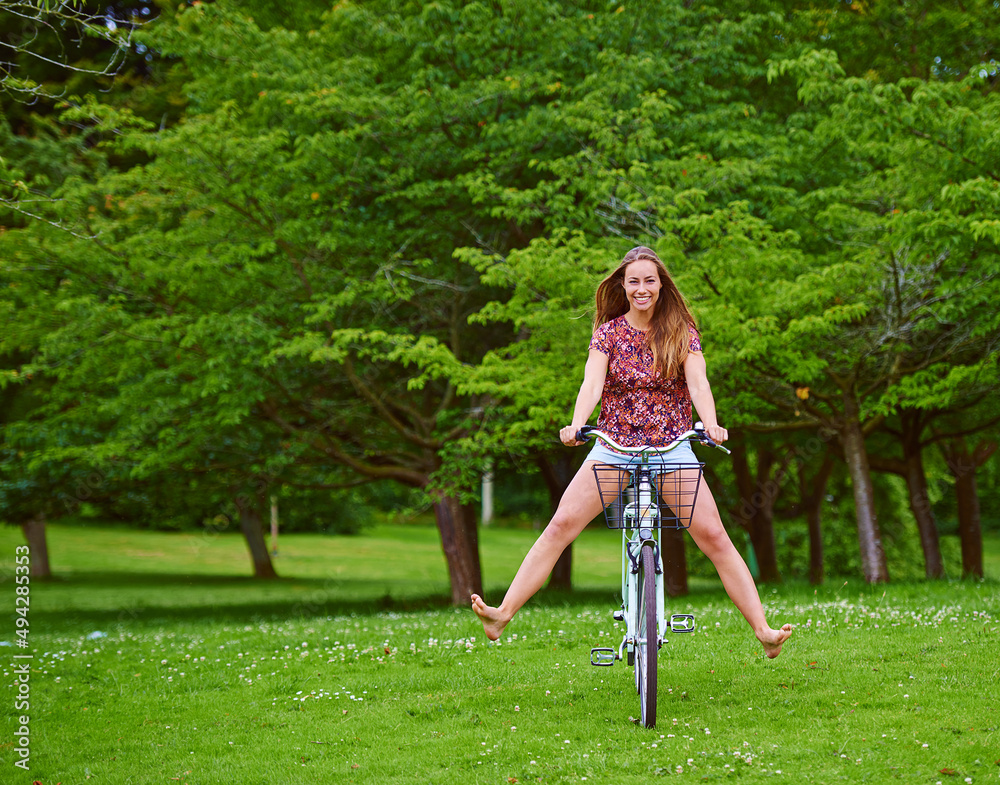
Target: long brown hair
column 668, row 336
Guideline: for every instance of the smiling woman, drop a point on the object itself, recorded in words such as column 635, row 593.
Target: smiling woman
column 642, row 285
column 633, row 291
column 646, row 369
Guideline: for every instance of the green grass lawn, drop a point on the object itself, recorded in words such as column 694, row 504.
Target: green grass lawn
column 156, row 659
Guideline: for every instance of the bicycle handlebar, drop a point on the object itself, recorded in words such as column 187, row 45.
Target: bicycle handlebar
column 698, row 433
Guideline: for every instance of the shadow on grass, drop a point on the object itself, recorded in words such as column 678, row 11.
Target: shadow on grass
column 88, row 601
column 101, row 600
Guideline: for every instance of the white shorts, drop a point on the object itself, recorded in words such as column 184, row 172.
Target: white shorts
column 682, row 454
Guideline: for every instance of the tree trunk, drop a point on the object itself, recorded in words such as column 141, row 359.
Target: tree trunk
column 675, row 572
column 812, row 493
column 869, row 534
column 762, row 539
column 34, row 535
column 814, row 522
column 557, row 475
column 920, row 503
column 756, row 509
column 962, row 463
column 562, row 572
column 253, row 533
column 457, row 525
column 970, row 532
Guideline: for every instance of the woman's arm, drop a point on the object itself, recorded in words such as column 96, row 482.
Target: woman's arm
column 696, row 373
column 589, row 396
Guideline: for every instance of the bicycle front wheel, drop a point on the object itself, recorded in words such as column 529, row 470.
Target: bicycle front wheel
column 647, row 643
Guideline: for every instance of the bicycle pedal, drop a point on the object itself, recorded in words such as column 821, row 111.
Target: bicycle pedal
column 618, row 615
column 682, row 622
column 604, row 658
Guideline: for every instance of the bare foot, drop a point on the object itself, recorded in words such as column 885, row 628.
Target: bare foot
column 493, row 622
column 773, row 640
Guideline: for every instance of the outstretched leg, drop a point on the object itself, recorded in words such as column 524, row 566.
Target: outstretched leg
column 579, row 505
column 710, row 535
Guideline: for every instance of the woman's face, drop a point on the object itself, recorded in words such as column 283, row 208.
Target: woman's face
column 642, row 285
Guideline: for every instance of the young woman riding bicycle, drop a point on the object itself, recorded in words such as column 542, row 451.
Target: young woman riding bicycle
column 645, row 368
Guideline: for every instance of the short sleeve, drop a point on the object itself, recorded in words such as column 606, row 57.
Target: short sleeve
column 695, row 345
column 602, row 340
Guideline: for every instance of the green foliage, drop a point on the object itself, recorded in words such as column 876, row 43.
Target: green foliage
column 307, row 247
column 888, row 42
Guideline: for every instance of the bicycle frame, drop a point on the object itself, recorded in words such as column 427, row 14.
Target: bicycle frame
column 639, row 531
column 638, row 514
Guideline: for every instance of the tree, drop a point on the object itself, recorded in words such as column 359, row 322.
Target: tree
column 45, row 41
column 962, row 462
column 25, row 489
column 758, row 492
column 532, row 382
column 839, row 347
column 917, row 39
column 657, row 105
column 276, row 264
column 290, row 272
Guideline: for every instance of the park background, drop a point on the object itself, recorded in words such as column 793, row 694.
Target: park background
column 338, row 260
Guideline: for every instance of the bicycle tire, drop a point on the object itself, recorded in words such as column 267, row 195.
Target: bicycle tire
column 647, row 643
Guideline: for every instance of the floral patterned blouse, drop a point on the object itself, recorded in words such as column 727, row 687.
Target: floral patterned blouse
column 638, row 407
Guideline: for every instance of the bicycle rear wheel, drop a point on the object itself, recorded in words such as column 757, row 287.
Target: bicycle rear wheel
column 647, row 643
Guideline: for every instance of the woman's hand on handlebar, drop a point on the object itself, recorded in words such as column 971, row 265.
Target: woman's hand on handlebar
column 717, row 433
column 567, row 436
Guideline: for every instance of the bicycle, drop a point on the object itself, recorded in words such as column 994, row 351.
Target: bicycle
column 630, row 494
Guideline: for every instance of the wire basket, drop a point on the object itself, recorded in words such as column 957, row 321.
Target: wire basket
column 676, row 491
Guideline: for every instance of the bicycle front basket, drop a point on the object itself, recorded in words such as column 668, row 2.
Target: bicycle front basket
column 677, row 491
